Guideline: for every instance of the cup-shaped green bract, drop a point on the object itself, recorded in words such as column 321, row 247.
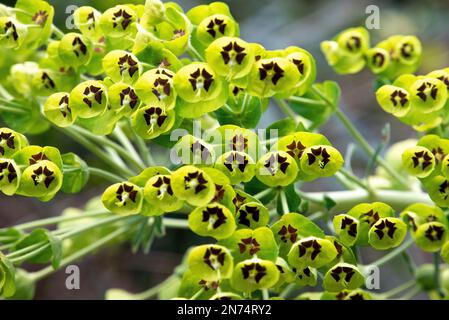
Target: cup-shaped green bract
column 305, row 276
column 7, row 277
column 292, row 227
column 428, row 94
column 286, row 273
column 213, row 262
column 124, row 198
column 347, row 228
column 377, row 59
column 438, row 146
column 41, row 179
column 119, row 22
column 247, row 243
column 419, row 213
column 157, row 85
column 306, row 65
column 408, row 50
column 276, row 168
column 216, row 26
column 46, row 82
column 442, row 75
column 312, row 252
column 431, row 236
column 34, row 154
column 192, row 150
column 254, row 274
column 343, row 276
column 193, row 185
column 75, row 49
column 321, row 161
column 252, row 215
column 238, row 166
column 272, row 76
column 418, row 161
column 394, row 100
column 213, row 220
column 11, row 142
column 230, row 57
column 387, row 233
column 121, row 65
column 123, row 99
column 368, row 214
column 159, row 193
column 10, row 175
column 12, row 33
column 235, row 138
column 152, row 120
column 57, row 110
column 201, row 90
column 445, row 252
column 88, row 99
column 438, row 189
column 87, row 21
column 345, row 53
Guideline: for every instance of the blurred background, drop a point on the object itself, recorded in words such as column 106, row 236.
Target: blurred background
column 275, row 24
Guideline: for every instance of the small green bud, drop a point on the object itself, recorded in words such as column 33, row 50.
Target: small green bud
column 212, row 262
column 343, row 276
column 213, row 220
column 254, row 274
column 276, row 169
column 387, row 233
column 418, row 161
column 346, row 227
column 119, row 22
column 88, row 99
column 123, row 198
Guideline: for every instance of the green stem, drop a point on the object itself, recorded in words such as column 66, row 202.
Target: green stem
column 144, row 150
column 176, row 223
column 265, row 294
column 197, row 294
column 57, row 32
column 288, row 290
column 97, row 151
column 28, row 249
column 145, row 295
column 36, row 276
column 285, row 108
column 191, row 51
column 123, row 139
column 284, row 202
column 393, row 253
column 32, row 254
column 54, row 220
column 104, row 141
column 411, row 294
column 353, row 178
column 436, row 273
column 262, row 194
column 306, row 101
column 11, row 109
column 109, row 176
column 390, row 293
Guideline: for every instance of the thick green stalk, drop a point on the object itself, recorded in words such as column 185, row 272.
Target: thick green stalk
column 109, row 176
column 123, row 139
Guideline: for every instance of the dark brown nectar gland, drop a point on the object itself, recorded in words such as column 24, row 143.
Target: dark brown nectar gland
column 351, row 225
column 214, row 258
column 339, row 273
column 271, row 71
column 47, row 81
column 200, row 151
column 249, row 244
column 92, row 93
column 398, row 97
column 154, row 116
column 233, row 53
column 90, row 22
column 121, row 18
column 64, row 106
column 295, row 149
column 238, row 143
column 209, row 285
column 216, row 26
column 445, row 80
column 125, row 192
column 201, row 79
column 309, row 245
column 288, row 233
column 319, row 155
column 163, row 184
column 434, row 233
column 196, row 181
column 426, row 90
column 276, row 163
column 6, row 139
column 444, row 189
column 161, row 88
column 7, row 171
column 79, row 47
column 354, row 43
column 42, row 175
column 40, row 17
column 11, row 31
column 127, row 63
column 249, row 212
column 378, row 59
column 236, row 161
column 128, row 98
column 214, row 216
column 370, row 217
column 385, row 227
column 422, row 158
column 254, row 271
column 38, row 157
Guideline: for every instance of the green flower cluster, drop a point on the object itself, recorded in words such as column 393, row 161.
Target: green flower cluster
column 350, row 51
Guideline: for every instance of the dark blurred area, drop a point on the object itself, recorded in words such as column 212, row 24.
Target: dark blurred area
column 275, row 24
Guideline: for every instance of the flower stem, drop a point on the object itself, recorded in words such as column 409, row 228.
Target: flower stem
column 436, row 273
column 284, row 202
column 147, row 294
column 390, row 293
column 109, row 176
column 120, row 135
column 262, row 194
column 411, row 294
column 353, row 178
column 394, row 253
